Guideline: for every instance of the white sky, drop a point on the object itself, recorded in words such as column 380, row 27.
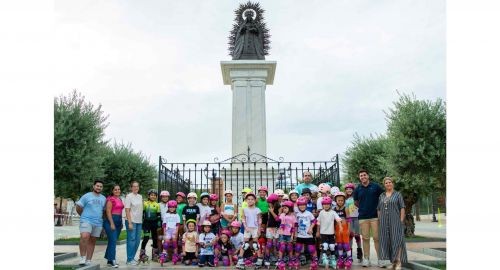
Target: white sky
column 155, row 68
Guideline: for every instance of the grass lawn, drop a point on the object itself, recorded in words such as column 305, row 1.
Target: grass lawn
column 123, row 236
column 65, row 267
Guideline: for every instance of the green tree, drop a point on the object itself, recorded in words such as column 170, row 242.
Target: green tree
column 78, row 145
column 122, row 165
column 417, row 149
column 369, row 153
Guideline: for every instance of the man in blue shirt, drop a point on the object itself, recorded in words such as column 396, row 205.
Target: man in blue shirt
column 90, row 207
column 307, row 183
column 366, row 198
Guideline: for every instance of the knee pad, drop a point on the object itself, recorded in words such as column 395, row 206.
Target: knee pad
column 298, row 247
column 235, row 259
column 225, row 261
column 246, row 246
column 346, row 247
column 311, row 249
column 289, row 247
column 282, row 247
column 174, row 244
column 166, row 245
column 324, row 246
column 255, row 246
column 332, row 247
column 269, row 244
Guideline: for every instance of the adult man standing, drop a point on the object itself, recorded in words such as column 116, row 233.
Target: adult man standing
column 307, row 176
column 366, row 199
column 90, row 207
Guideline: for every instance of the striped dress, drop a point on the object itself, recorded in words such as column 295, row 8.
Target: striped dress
column 391, row 230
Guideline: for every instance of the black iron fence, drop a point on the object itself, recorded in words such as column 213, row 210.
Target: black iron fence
column 242, row 171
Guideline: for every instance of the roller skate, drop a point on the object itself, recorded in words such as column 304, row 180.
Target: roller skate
column 175, row 258
column 273, row 260
column 267, row 263
column 258, row 263
column 294, row 263
column 324, row 259
column 143, row 257
column 348, row 263
column 333, row 261
column 240, row 264
column 163, row 257
column 340, row 263
column 359, row 254
column 281, row 265
column 216, row 261
column 314, row 263
column 303, row 259
column 248, row 263
column 154, row 255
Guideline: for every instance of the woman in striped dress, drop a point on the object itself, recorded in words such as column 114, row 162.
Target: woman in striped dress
column 391, row 214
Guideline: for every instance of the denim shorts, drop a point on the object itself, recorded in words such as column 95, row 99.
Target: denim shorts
column 94, row 230
column 285, row 238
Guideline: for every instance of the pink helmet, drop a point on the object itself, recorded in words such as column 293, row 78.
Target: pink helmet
column 301, row 201
column 236, row 224
column 164, row 193
column 289, row 204
column 338, row 194
column 172, row 203
column 214, row 197
column 349, row 185
column 326, row 200
column 272, row 198
column 324, row 188
column 226, row 232
column 181, row 194
column 263, row 188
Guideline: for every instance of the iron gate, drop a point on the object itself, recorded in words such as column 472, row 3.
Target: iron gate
column 244, row 170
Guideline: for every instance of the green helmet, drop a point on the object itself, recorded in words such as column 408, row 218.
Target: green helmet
column 204, row 194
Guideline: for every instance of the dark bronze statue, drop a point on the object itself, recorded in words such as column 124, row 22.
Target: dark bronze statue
column 249, row 38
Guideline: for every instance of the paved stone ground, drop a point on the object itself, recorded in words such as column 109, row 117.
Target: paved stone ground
column 423, row 228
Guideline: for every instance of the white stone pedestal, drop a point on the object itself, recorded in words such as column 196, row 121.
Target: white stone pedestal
column 248, row 80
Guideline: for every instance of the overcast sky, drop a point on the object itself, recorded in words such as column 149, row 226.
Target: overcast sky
column 155, row 68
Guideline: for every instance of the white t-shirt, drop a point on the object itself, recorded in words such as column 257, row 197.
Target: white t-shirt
column 134, row 202
column 207, row 238
column 251, row 217
column 163, row 210
column 171, row 219
column 205, row 212
column 304, row 221
column 237, row 240
column 319, row 204
column 326, row 219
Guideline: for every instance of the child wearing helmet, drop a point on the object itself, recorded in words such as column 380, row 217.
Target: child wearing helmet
column 191, row 211
column 237, row 238
column 342, row 233
column 179, row 198
column 324, row 191
column 251, row 219
column 224, row 249
column 229, row 210
column 207, row 241
column 189, row 243
column 305, row 237
column 164, row 195
column 352, row 216
column 205, row 209
column 264, row 208
column 293, row 195
column 170, row 224
column 287, row 234
column 214, row 217
column 150, row 219
column 333, row 191
column 244, row 205
column 326, row 232
column 273, row 224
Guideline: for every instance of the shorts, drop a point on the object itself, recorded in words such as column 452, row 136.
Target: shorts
column 354, row 224
column 272, row 233
column 285, row 238
column 251, row 233
column 342, row 237
column 94, row 230
column 189, row 256
column 327, row 238
column 265, row 217
column 306, row 241
column 169, row 233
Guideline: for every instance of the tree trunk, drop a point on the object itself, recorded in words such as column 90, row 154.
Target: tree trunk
column 409, row 222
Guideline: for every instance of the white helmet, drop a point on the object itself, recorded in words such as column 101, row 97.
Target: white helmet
column 228, row 191
column 279, row 192
column 293, row 191
column 192, row 195
column 334, row 190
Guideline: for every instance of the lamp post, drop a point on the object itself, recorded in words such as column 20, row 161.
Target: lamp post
column 433, row 209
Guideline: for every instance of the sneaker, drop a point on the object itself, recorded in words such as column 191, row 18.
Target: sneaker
column 88, row 262
column 114, row 264
column 110, row 263
column 382, row 263
column 365, row 263
column 133, row 262
column 82, row 260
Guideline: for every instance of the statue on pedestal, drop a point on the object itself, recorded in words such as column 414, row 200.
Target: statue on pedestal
column 249, row 37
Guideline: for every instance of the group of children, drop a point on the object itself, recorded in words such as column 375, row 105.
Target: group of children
column 269, row 229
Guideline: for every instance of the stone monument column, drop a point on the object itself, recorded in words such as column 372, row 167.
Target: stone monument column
column 248, row 80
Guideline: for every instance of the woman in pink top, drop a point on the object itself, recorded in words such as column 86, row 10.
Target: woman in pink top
column 113, row 224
